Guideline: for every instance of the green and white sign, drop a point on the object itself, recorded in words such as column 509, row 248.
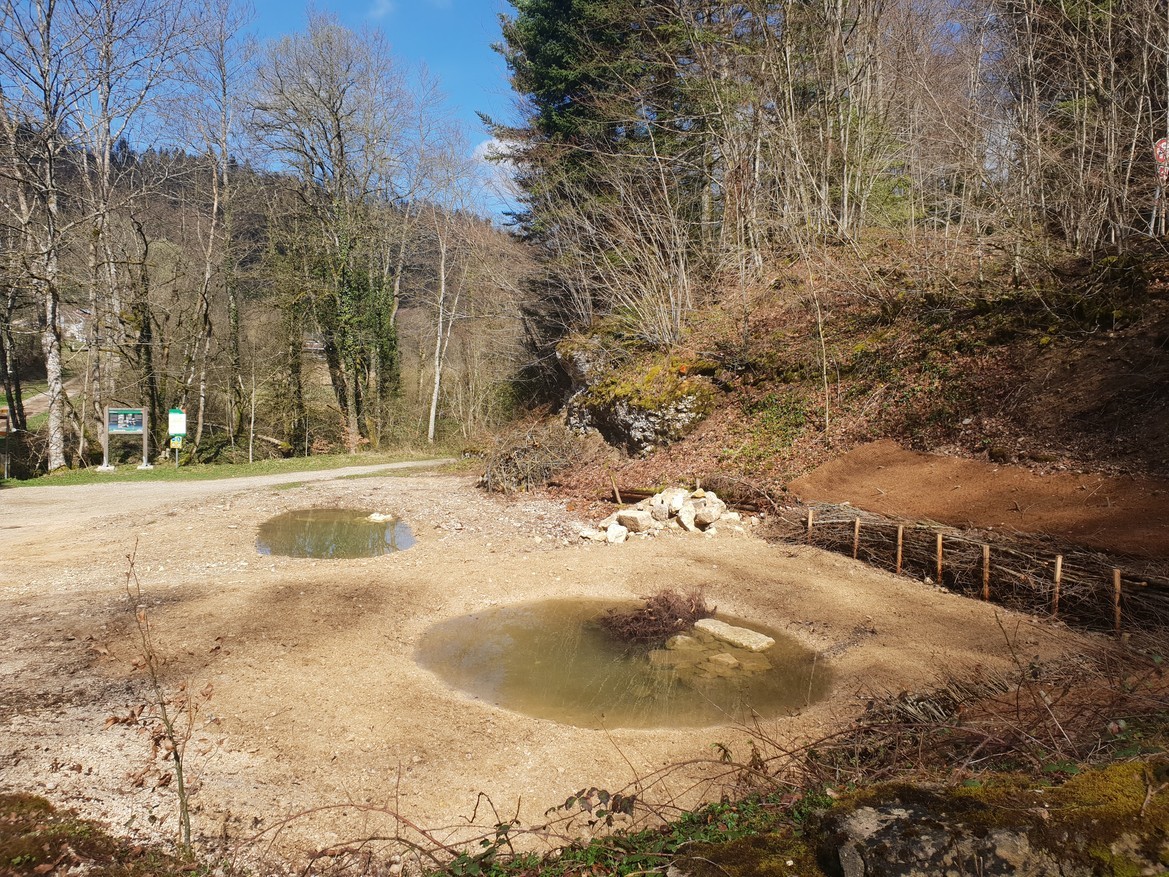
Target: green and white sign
column 176, row 422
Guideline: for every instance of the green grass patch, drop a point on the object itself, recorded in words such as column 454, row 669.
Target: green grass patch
column 210, row 472
column 37, row 839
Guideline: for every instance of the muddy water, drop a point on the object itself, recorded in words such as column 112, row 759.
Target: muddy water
column 551, row 660
column 332, row 533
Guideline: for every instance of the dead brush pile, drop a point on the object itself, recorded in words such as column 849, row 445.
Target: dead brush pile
column 528, row 457
column 1042, row 720
column 666, row 613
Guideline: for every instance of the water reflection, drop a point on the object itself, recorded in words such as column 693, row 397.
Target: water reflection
column 553, row 661
column 332, row 533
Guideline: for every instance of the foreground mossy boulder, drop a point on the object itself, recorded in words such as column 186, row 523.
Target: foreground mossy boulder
column 1113, row 821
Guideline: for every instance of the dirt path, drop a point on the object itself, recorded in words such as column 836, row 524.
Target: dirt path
column 316, row 701
column 1121, row 515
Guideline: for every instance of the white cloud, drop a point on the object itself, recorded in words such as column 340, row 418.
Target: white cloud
column 382, row 8
column 497, row 171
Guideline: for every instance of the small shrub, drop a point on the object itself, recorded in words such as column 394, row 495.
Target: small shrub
column 666, row 613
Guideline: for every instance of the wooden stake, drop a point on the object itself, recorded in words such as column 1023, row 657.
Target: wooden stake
column 939, row 558
column 811, row 520
column 1116, row 600
column 1058, row 579
column 616, row 492
column 900, row 545
column 985, row 572
column 856, row 537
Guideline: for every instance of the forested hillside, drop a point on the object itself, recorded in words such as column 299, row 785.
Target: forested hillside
column 285, row 240
column 822, row 223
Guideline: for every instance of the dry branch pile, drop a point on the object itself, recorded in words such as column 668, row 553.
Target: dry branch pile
column 1021, row 572
column 1047, row 718
column 529, row 457
column 666, row 613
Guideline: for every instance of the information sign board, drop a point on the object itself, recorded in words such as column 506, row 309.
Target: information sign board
column 176, row 442
column 4, row 423
column 177, row 422
column 125, row 421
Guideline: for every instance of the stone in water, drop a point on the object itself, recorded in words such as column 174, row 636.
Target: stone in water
column 739, row 637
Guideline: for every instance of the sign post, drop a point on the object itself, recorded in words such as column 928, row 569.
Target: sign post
column 177, row 429
column 126, row 421
column 4, row 426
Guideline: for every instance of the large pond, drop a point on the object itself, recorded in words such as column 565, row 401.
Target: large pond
column 553, row 660
column 333, row 533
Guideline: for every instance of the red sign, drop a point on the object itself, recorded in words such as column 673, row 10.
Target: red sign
column 1161, row 154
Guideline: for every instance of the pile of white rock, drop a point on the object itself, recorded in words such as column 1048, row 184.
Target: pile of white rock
column 674, row 508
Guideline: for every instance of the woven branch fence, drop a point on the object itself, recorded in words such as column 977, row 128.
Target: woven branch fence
column 1033, row 573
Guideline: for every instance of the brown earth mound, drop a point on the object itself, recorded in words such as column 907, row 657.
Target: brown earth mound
column 1123, row 515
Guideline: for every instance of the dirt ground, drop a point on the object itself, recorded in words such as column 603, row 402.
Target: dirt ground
column 317, row 706
column 1118, row 514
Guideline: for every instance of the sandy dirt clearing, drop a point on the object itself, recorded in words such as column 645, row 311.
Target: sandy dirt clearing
column 317, row 701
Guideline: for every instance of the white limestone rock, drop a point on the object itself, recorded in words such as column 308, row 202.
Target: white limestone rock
column 616, row 534
column 725, row 660
column 686, row 517
column 675, row 496
column 740, row 637
column 708, row 509
column 635, row 521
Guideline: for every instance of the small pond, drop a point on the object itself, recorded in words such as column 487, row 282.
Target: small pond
column 552, row 660
column 333, row 533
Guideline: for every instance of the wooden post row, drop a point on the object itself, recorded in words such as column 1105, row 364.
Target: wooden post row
column 1058, row 579
column 1116, row 600
column 985, row 572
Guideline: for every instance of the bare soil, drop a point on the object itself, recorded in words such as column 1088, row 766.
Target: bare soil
column 318, row 711
column 1117, row 514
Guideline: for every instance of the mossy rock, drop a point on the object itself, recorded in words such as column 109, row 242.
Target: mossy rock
column 645, row 404
column 1111, row 821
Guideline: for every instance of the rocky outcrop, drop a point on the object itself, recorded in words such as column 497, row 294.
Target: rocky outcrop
column 633, row 405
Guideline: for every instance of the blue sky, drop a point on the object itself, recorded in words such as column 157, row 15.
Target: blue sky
column 452, row 37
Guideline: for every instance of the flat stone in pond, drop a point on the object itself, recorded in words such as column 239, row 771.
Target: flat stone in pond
column 740, row 637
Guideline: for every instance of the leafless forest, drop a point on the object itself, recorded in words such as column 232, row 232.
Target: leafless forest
column 674, row 151
column 283, row 239
column 287, row 239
